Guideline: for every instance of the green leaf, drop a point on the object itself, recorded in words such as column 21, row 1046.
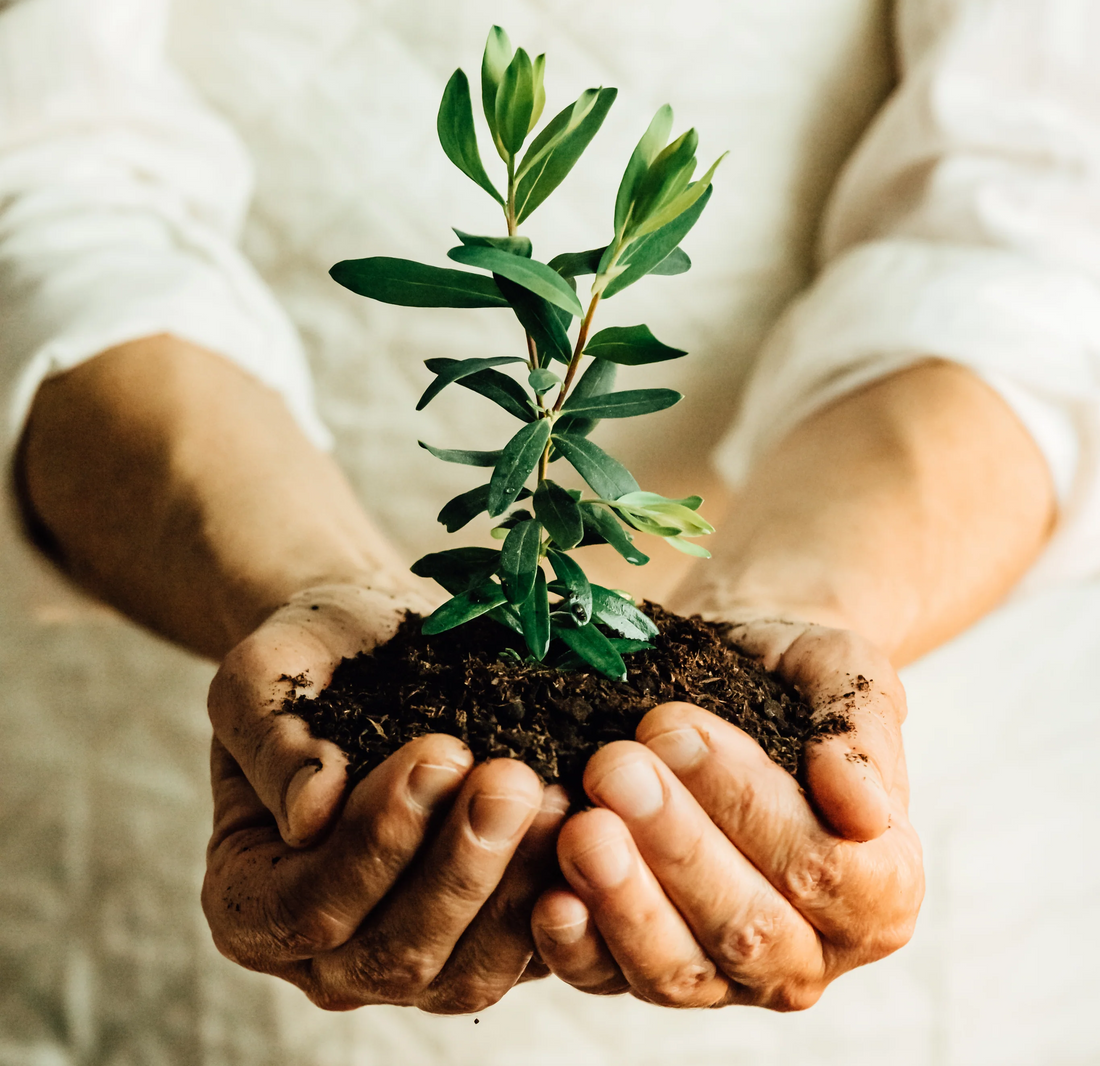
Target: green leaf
column 517, row 245
column 606, row 526
column 555, row 151
column 457, row 369
column 530, row 273
column 608, row 477
column 679, row 203
column 621, row 615
column 538, row 76
column 498, row 387
column 576, row 264
column 645, row 253
column 598, row 378
column 515, row 102
column 630, row 346
column 494, row 62
column 462, row 455
column 540, row 319
column 629, row 647
column 589, row 644
column 676, row 262
column 622, row 404
column 508, row 617
column 559, row 512
column 542, row 380
column 461, row 510
column 653, row 140
column 462, row 608
column 409, row 284
column 668, row 175
column 687, row 547
column 519, row 559
column 534, row 617
column 458, row 569
column 569, row 573
column 655, row 514
column 518, row 459
column 455, row 126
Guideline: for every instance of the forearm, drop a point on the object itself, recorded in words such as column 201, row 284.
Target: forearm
column 905, row 512
column 180, row 490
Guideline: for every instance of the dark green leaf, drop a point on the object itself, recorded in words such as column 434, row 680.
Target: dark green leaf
column 543, row 380
column 534, row 616
column 463, row 509
column 676, row 262
column 622, row 404
column 519, row 559
column 653, row 140
column 558, row 511
column 630, row 647
column 621, row 615
column 595, row 649
column 598, row 378
column 508, row 617
column 576, row 264
column 642, row 255
column 539, row 318
column 608, row 528
column 409, row 284
column 458, row 569
column 518, row 459
column 515, row 102
column 608, row 477
column 498, row 387
column 456, row 369
column 462, row 456
column 569, row 573
column 556, row 150
column 530, row 273
column 631, row 346
column 455, row 126
column 467, row 605
column 494, row 62
column 518, row 245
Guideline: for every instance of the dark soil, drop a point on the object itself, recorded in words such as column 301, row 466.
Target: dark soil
column 460, row 683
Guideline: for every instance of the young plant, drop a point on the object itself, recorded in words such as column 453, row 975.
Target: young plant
column 658, row 202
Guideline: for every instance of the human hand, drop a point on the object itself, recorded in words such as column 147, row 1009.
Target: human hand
column 417, row 887
column 704, row 875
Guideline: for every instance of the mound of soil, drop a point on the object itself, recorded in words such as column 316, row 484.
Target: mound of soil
column 472, row 684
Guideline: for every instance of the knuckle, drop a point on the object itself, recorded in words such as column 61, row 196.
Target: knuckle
column 302, row 932
column 466, row 998
column 791, row 996
column 816, row 876
column 393, row 976
column 688, row 985
column 743, row 946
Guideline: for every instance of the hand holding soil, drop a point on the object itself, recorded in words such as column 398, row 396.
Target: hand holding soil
column 703, row 875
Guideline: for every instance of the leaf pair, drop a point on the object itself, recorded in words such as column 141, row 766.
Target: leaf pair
column 512, row 92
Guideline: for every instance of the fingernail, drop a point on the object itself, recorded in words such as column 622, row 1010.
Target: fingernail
column 680, row 749
column 297, row 784
column 495, row 819
column 632, row 790
column 565, row 934
column 430, row 783
column 606, row 864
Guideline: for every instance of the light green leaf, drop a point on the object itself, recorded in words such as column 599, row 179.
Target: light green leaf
column 462, row 456
column 687, row 547
column 653, row 140
column 608, row 477
column 668, row 175
column 409, row 284
column 622, row 404
column 460, row 368
column 540, row 91
column 455, row 126
column 678, row 204
column 519, row 559
column 630, row 346
column 589, row 644
column 530, row 273
column 542, row 380
column 559, row 512
column 569, row 573
column 517, row 461
column 492, row 384
column 645, row 253
column 494, row 62
column 466, row 606
column 534, row 616
column 661, row 516
column 654, row 499
column 605, row 525
column 518, row 245
column 515, row 102
column 546, row 166
column 458, row 569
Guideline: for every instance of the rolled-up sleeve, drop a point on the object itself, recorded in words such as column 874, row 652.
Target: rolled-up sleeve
column 966, row 227
column 121, row 202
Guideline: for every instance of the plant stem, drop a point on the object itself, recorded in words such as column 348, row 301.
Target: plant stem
column 578, row 351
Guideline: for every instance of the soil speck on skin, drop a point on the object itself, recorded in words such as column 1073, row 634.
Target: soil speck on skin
column 459, row 683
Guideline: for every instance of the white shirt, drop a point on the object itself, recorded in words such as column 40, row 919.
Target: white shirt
column 962, row 224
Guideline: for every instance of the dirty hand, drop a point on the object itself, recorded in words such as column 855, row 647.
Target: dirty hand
column 302, row 880
column 704, row 875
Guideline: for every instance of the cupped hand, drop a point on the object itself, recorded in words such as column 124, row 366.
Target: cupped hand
column 705, row 876
column 416, row 887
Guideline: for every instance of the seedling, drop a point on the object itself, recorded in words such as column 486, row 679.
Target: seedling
column 657, row 204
